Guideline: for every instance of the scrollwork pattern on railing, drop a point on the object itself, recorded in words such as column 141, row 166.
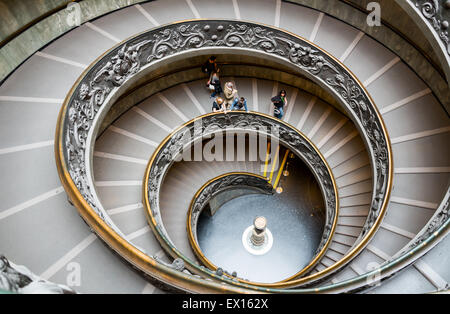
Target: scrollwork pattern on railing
column 441, row 217
column 209, row 124
column 436, row 229
column 126, row 60
column 219, row 185
column 353, row 94
column 434, row 12
column 104, row 78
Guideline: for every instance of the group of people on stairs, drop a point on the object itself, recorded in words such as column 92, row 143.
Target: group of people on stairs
column 230, row 99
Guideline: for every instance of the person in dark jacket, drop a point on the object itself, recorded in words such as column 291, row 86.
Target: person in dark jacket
column 210, row 67
column 279, row 102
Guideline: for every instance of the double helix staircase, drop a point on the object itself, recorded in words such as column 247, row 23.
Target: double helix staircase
column 41, row 229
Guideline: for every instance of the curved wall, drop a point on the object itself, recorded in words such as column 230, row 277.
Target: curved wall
column 16, row 51
column 22, row 14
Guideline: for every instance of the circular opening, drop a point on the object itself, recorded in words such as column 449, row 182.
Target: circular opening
column 290, row 226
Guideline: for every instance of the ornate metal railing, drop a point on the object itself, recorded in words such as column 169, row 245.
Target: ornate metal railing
column 204, row 126
column 213, row 188
column 436, row 229
column 101, row 84
column 437, row 14
column 433, row 17
column 219, row 185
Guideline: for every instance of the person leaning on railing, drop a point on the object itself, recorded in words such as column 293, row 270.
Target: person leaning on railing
column 239, row 104
column 230, row 94
column 219, row 105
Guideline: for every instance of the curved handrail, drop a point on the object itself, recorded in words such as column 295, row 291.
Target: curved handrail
column 436, row 229
column 97, row 88
column 203, row 127
column 433, row 17
column 211, row 189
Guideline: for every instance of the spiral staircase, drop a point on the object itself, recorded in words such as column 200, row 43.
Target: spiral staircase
column 400, row 248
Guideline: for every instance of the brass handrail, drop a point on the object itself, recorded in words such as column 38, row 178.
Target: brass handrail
column 189, row 223
column 97, row 75
column 153, row 214
column 192, row 239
